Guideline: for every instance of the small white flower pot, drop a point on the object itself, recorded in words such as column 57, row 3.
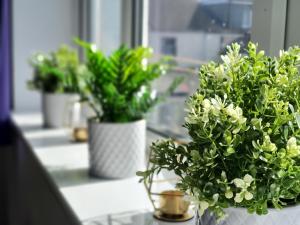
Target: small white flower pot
column 54, row 108
column 117, row 150
column 240, row 216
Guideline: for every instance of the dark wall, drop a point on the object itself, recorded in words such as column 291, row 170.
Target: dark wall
column 27, row 194
column 5, row 58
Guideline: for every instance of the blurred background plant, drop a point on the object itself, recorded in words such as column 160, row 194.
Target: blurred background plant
column 120, row 84
column 57, row 72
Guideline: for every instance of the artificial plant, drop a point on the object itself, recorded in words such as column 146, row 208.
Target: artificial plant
column 244, row 125
column 120, row 84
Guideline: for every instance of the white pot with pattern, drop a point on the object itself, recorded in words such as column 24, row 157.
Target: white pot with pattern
column 54, row 106
column 240, row 216
column 117, row 150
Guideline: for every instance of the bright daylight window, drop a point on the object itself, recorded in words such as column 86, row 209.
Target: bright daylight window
column 192, row 32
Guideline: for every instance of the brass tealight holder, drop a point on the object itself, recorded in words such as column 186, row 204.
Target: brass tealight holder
column 171, row 205
column 76, row 116
column 80, row 134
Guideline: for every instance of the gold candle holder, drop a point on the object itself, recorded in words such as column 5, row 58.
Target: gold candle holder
column 172, row 206
column 80, row 134
column 172, row 203
column 75, row 120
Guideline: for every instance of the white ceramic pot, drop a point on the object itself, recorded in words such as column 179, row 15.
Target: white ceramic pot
column 117, row 150
column 54, row 108
column 240, row 216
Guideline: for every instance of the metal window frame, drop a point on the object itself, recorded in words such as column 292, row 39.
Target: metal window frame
column 275, row 24
column 269, row 25
column 134, row 22
column 292, row 32
column 90, row 20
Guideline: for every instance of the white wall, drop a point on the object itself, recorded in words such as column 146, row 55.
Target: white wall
column 39, row 25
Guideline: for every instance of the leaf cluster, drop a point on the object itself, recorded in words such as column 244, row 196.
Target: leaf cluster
column 120, row 84
column 244, row 124
column 57, row 72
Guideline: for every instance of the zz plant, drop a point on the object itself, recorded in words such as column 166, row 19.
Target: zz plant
column 120, row 84
column 57, row 72
column 244, row 125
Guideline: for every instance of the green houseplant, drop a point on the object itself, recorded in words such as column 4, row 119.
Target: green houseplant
column 59, row 77
column 244, row 152
column 121, row 95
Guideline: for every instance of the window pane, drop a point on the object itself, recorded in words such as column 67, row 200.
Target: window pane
column 200, row 28
column 193, row 32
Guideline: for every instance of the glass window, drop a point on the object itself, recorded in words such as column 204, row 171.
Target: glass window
column 193, row 32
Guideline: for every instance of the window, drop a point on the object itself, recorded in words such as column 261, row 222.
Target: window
column 193, row 32
column 199, row 29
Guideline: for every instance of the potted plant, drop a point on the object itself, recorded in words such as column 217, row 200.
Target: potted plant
column 121, row 95
column 243, row 158
column 59, row 77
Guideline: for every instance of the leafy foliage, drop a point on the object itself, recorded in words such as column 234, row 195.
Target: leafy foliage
column 58, row 71
column 244, row 124
column 120, row 84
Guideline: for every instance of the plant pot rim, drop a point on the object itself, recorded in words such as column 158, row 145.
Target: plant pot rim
column 60, row 93
column 93, row 121
column 269, row 209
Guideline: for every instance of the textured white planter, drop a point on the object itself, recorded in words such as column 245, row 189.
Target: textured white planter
column 54, row 108
column 117, row 150
column 239, row 216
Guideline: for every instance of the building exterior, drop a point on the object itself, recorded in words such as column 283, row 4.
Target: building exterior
column 204, row 33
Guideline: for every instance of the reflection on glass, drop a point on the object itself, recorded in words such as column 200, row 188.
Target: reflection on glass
column 198, row 29
column 192, row 32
